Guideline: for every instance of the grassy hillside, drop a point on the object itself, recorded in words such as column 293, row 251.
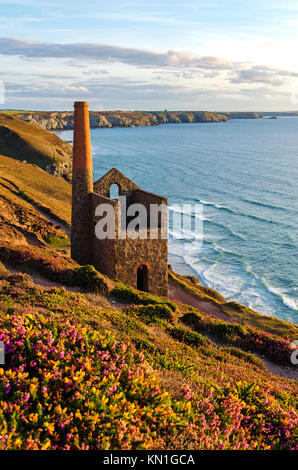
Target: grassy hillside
column 93, row 364
column 83, row 376
column 24, row 141
column 34, row 205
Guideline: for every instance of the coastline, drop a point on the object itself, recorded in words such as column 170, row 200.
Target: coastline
column 179, row 266
column 242, row 284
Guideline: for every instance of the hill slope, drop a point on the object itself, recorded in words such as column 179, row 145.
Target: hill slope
column 25, row 141
column 79, row 376
column 33, row 203
column 94, row 364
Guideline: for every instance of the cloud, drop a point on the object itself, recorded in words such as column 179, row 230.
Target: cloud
column 264, row 75
column 103, row 52
column 95, row 72
column 78, row 53
column 71, row 88
column 174, row 78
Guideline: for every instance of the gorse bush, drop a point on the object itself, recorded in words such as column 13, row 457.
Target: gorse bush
column 67, row 387
column 68, row 383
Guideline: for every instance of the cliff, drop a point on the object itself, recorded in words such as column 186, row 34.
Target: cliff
column 64, row 120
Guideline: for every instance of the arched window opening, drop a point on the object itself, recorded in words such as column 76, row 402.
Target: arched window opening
column 142, row 278
column 114, row 191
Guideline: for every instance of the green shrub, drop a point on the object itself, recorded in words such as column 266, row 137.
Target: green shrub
column 192, row 319
column 224, row 330
column 88, row 278
column 248, row 357
column 189, row 337
column 130, row 295
column 229, row 331
column 143, row 344
column 156, row 311
column 275, row 348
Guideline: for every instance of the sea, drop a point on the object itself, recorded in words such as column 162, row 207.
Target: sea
column 243, row 174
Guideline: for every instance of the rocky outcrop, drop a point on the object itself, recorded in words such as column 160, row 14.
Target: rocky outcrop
column 64, row 120
column 242, row 115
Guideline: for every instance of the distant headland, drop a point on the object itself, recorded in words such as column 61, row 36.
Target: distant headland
column 63, row 120
column 59, row 120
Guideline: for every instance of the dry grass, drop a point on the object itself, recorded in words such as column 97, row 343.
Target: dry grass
column 4, row 273
column 99, row 301
column 25, row 141
column 42, row 190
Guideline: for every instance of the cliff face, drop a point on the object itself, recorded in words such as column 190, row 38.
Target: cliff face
column 242, row 115
column 64, row 120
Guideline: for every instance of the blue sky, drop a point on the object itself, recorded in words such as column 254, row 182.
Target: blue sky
column 215, row 55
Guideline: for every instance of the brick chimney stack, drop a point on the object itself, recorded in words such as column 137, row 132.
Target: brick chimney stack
column 82, row 186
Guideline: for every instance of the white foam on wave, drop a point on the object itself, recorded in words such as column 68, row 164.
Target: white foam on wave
column 213, row 204
column 235, row 282
column 206, row 203
column 185, row 235
column 285, row 296
column 190, row 212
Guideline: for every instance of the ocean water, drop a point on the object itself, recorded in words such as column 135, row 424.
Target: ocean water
column 245, row 174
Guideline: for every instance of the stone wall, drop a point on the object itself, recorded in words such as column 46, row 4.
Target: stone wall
column 130, row 254
column 104, row 251
column 120, row 258
column 114, row 176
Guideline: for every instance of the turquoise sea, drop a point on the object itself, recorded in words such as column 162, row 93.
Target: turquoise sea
column 245, row 175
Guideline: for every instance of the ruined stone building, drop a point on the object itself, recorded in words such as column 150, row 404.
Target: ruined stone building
column 142, row 262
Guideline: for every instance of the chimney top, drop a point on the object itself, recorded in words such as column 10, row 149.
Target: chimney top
column 80, row 104
column 82, row 156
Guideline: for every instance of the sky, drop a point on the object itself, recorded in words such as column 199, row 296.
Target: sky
column 230, row 55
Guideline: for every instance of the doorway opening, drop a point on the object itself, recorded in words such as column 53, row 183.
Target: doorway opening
column 142, row 278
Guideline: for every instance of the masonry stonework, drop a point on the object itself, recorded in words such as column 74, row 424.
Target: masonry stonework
column 142, row 262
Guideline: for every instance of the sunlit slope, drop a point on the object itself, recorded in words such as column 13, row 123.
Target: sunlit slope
column 25, row 141
column 33, row 203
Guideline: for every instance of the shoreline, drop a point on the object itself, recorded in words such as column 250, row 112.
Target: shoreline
column 179, row 266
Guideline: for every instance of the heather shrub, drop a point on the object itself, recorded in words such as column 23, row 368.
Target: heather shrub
column 55, row 266
column 275, row 348
column 66, row 386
